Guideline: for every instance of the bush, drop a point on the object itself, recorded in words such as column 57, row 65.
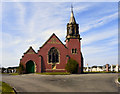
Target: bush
column 21, row 69
column 72, row 66
column 119, row 79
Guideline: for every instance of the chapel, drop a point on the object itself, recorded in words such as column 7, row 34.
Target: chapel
column 53, row 55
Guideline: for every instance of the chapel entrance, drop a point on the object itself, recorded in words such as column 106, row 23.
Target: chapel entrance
column 30, row 67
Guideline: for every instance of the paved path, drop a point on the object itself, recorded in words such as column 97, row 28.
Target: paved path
column 63, row 83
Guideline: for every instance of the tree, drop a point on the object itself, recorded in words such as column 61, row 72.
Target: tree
column 72, row 66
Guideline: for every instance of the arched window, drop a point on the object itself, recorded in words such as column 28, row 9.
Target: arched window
column 53, row 55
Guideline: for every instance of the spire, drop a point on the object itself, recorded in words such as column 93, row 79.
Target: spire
column 72, row 18
column 72, row 27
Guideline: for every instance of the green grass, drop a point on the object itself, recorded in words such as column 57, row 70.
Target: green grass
column 3, row 73
column 54, row 73
column 5, row 88
column 14, row 73
column 11, row 73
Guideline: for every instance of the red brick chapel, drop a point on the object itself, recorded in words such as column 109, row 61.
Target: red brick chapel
column 53, row 55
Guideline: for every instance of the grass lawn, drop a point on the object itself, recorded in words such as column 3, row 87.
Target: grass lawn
column 5, row 88
column 54, row 73
column 44, row 73
column 14, row 73
column 11, row 73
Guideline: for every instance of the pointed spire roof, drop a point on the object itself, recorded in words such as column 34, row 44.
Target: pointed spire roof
column 72, row 18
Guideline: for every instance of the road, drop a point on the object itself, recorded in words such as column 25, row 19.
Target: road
column 63, row 83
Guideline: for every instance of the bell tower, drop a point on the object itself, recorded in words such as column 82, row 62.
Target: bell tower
column 72, row 27
column 73, row 42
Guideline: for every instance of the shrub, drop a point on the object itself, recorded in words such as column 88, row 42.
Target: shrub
column 119, row 79
column 72, row 66
column 21, row 69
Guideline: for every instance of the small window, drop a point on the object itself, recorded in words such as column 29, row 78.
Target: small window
column 72, row 50
column 75, row 50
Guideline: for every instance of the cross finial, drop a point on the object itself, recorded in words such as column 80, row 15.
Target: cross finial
column 71, row 7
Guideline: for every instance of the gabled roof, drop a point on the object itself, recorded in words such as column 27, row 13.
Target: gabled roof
column 30, row 50
column 50, row 38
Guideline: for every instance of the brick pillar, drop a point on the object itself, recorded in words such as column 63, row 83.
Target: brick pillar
column 107, row 69
column 39, row 64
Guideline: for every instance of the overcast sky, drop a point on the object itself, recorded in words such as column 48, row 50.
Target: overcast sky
column 27, row 24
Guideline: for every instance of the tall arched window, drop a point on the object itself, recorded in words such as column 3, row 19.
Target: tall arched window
column 53, row 55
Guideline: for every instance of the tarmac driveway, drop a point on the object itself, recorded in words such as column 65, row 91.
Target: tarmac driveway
column 63, row 83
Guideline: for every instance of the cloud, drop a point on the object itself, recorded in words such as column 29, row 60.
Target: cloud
column 100, row 55
column 101, row 35
column 21, row 12
column 99, row 22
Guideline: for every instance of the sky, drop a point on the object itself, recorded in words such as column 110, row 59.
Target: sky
column 27, row 24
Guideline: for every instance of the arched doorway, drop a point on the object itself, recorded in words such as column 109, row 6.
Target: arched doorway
column 30, row 67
